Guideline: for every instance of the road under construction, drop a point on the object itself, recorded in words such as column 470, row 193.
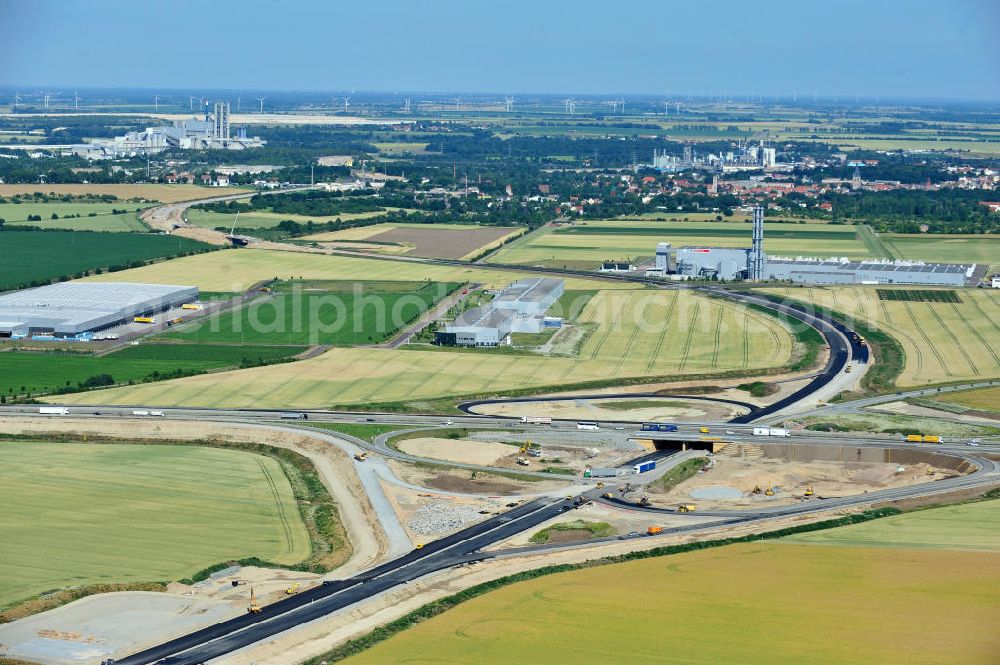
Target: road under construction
column 473, row 543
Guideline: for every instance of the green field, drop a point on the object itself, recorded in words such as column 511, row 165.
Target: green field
column 24, row 371
column 628, row 333
column 941, row 341
column 945, row 248
column 39, row 256
column 320, row 313
column 585, row 244
column 84, row 216
column 79, row 514
column 971, row 526
column 984, row 399
column 753, row 604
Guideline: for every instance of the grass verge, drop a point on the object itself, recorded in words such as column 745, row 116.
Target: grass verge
column 596, row 529
column 678, row 474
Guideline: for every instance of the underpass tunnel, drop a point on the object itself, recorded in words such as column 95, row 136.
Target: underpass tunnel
column 675, row 444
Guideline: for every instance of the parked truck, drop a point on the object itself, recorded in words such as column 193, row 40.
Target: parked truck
column 53, row 410
column 770, row 431
column 643, row 467
column 294, row 415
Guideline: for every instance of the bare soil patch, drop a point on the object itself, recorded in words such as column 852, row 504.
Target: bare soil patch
column 462, row 451
column 443, row 243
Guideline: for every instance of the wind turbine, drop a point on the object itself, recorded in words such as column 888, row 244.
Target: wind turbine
column 191, row 99
column 76, row 101
column 406, row 105
column 666, row 108
column 347, row 103
column 621, row 102
column 156, row 102
column 570, row 105
column 509, row 103
column 17, row 100
column 46, row 96
column 260, row 100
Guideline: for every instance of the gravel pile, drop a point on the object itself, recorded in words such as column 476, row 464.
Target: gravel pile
column 440, row 516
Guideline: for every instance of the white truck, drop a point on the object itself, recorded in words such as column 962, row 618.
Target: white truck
column 770, row 431
column 53, row 410
column 536, row 420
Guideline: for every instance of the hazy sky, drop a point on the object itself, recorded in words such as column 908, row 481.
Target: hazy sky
column 892, row 48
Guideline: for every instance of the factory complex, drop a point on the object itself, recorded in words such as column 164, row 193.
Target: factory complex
column 520, row 307
column 77, row 310
column 729, row 263
column 212, row 132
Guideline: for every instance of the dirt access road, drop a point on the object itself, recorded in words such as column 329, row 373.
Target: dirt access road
column 169, row 218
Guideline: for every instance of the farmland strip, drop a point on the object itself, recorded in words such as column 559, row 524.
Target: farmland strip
column 675, row 296
column 927, row 340
column 690, row 335
column 947, row 329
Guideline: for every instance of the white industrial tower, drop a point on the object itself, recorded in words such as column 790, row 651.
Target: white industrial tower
column 221, row 120
column 757, row 245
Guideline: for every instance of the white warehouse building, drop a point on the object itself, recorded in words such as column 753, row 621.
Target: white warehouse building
column 520, row 307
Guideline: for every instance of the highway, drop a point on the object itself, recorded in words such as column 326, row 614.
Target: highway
column 468, row 544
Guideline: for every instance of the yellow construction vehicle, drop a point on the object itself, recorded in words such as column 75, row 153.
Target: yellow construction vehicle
column 418, row 546
column 608, row 495
column 685, row 508
column 769, row 491
column 643, row 502
column 525, row 447
column 704, row 430
column 293, row 589
column 254, row 606
column 809, row 491
column 757, row 490
column 362, row 456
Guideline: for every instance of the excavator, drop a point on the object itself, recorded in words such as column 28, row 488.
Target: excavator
column 254, row 606
column 769, row 491
column 293, row 589
column 362, row 456
column 685, row 508
column 809, row 491
column 643, row 502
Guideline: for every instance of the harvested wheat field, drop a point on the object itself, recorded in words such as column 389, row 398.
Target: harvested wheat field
column 942, row 341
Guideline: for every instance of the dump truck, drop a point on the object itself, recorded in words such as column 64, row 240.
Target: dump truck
column 653, row 530
column 914, row 438
column 932, row 439
column 361, row 457
column 523, row 461
column 536, row 420
column 53, row 410
column 191, row 305
column 144, row 319
column 704, row 430
column 685, row 508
